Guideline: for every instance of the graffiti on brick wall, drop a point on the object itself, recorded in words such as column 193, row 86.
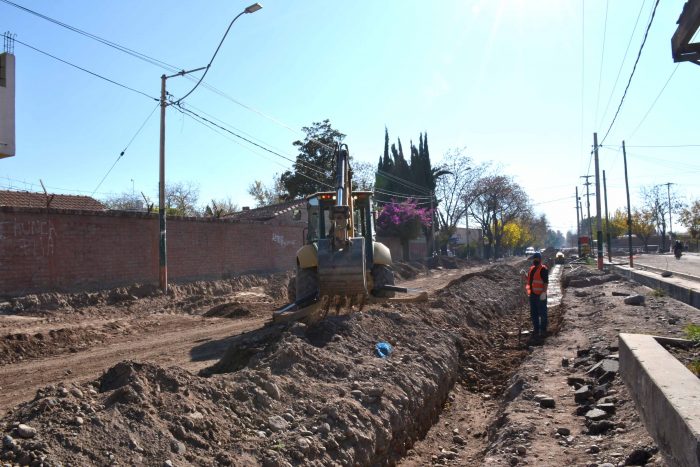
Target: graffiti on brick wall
column 34, row 238
column 281, row 241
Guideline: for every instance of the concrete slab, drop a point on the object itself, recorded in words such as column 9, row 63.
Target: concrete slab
column 667, row 395
column 684, row 290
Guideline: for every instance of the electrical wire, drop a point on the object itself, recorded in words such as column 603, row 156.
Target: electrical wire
column 217, row 131
column 186, row 111
column 629, row 81
column 602, row 59
column 404, row 182
column 121, row 154
column 164, row 65
column 407, row 195
column 250, row 141
column 173, row 68
column 86, row 70
column 121, row 48
column 554, row 200
column 212, row 125
column 655, row 100
column 622, row 63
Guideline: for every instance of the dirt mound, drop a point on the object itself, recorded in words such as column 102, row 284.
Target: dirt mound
column 288, row 394
column 584, row 276
column 19, row 346
column 274, row 286
column 408, row 270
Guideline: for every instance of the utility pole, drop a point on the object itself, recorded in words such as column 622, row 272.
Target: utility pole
column 607, row 219
column 588, row 206
column 578, row 226
column 599, row 228
column 162, row 250
column 670, row 215
column 629, row 209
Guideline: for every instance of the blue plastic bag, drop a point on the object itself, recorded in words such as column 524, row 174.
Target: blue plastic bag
column 383, row 349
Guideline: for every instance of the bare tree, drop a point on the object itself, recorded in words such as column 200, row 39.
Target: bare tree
column 497, row 200
column 220, row 208
column 264, row 195
column 181, row 198
column 455, row 189
column 124, row 202
column 656, row 201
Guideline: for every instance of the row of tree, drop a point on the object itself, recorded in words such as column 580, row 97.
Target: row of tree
column 649, row 219
column 181, row 199
column 413, row 195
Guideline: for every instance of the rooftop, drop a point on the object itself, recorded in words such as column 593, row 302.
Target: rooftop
column 26, row 199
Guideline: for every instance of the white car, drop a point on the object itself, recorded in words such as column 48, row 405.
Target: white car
column 529, row 251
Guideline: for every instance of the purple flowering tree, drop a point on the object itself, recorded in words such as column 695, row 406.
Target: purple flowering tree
column 403, row 220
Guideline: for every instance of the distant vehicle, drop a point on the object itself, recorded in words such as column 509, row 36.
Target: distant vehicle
column 529, row 251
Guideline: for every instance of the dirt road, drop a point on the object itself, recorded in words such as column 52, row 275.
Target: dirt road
column 78, row 346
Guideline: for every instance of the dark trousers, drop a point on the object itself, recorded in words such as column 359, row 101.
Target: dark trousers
column 538, row 313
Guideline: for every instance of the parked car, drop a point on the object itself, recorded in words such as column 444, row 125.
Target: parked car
column 529, row 251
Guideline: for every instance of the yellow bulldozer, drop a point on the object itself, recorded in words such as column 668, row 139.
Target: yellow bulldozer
column 340, row 264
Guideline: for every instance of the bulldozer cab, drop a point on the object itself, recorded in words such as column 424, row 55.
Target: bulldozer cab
column 320, row 225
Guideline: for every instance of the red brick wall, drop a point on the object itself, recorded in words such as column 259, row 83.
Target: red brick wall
column 75, row 250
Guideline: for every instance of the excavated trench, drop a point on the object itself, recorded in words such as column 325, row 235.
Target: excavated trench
column 375, row 409
column 292, row 395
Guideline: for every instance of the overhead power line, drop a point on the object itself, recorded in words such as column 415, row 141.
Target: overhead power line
column 243, row 138
column 602, row 59
column 629, row 81
column 673, row 72
column 404, row 182
column 121, row 48
column 121, row 154
column 218, row 131
column 86, row 70
column 164, row 65
column 622, row 62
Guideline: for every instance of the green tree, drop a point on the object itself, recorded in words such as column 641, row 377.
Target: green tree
column 314, row 169
column 499, row 200
column 643, row 225
column 263, row 195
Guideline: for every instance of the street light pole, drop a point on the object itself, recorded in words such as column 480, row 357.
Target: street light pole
column 162, row 244
column 162, row 255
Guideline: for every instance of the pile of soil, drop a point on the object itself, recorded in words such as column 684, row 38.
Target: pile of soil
column 408, row 270
column 53, row 324
column 283, row 395
column 53, row 303
column 584, row 276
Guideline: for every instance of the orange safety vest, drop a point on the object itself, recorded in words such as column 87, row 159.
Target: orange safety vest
column 537, row 282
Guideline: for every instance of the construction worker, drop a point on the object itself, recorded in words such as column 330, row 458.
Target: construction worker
column 536, row 287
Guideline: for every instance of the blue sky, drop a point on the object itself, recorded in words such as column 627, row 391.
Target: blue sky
column 523, row 84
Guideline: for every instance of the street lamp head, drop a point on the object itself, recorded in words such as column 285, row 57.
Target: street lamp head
column 253, row 8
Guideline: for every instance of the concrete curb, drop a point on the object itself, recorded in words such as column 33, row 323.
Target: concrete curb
column 678, row 292
column 667, row 395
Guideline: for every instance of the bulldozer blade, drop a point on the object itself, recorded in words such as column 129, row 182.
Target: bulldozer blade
column 342, row 272
column 296, row 315
column 421, row 297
